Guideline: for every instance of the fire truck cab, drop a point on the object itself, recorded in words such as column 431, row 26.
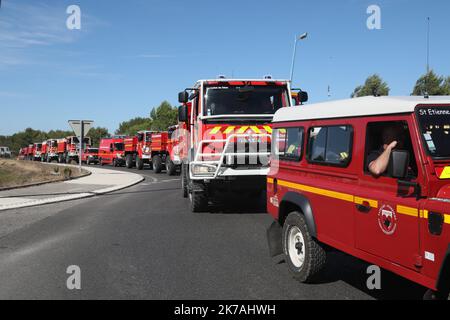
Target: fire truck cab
column 227, row 144
column 367, row 176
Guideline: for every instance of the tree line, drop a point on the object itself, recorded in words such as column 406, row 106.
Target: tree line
column 429, row 84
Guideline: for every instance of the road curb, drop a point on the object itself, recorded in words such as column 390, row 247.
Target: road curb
column 71, row 197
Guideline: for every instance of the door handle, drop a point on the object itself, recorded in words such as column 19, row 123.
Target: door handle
column 364, row 207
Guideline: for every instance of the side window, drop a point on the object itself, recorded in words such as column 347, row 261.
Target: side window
column 330, row 145
column 381, row 134
column 288, row 143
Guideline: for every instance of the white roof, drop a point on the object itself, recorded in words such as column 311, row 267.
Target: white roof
column 364, row 106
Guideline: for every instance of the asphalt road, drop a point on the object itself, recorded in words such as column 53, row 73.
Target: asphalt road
column 143, row 243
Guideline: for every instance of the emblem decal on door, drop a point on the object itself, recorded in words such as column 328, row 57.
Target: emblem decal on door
column 387, row 219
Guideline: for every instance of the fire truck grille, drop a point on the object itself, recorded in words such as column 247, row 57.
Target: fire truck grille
column 252, row 155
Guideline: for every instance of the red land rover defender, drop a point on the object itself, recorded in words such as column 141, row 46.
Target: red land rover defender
column 323, row 192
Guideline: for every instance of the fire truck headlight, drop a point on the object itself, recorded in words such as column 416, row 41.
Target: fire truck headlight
column 200, row 169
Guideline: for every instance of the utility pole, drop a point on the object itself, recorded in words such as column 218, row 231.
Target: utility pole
column 426, row 93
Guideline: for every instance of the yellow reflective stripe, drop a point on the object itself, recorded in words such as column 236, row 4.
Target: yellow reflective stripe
column 215, row 130
column 255, row 129
column 447, row 218
column 445, row 174
column 372, row 203
column 242, row 129
column 323, row 192
column 229, row 129
column 424, row 214
column 413, row 212
column 270, row 180
column 268, row 129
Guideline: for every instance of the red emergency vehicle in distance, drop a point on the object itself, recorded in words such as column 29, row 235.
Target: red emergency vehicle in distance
column 111, row 151
column 173, row 160
column 52, row 150
column 147, row 147
column 30, row 152
column 323, row 190
column 44, row 151
column 229, row 126
column 72, row 151
column 37, row 151
column 90, row 156
column 22, row 153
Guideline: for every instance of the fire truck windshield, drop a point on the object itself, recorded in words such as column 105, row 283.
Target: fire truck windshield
column 119, row 146
column 244, row 100
column 435, row 129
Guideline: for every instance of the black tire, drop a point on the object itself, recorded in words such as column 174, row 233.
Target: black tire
column 157, row 164
column 198, row 198
column 435, row 295
column 184, row 181
column 129, row 161
column 101, row 162
column 139, row 163
column 114, row 163
column 171, row 169
column 314, row 255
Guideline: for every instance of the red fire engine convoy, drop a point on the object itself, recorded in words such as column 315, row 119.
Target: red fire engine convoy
column 228, row 125
column 147, row 147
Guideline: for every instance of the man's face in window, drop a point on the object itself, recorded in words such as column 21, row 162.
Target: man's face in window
column 393, row 133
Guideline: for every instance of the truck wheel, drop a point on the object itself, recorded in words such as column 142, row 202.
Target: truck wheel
column 101, row 162
column 139, row 163
column 184, row 183
column 157, row 164
column 303, row 254
column 435, row 295
column 129, row 161
column 198, row 198
column 170, row 167
column 114, row 163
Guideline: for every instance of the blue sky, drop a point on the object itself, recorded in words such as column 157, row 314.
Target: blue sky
column 131, row 55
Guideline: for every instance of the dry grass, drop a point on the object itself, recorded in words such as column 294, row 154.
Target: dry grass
column 15, row 173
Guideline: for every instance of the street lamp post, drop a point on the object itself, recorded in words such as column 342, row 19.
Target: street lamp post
column 297, row 38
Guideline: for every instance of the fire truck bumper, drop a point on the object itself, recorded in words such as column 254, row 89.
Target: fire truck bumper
column 209, row 172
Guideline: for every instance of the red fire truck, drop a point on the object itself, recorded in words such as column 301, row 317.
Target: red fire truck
column 72, row 151
column 52, row 150
column 147, row 147
column 173, row 161
column 30, row 152
column 22, row 153
column 37, row 152
column 228, row 144
column 44, row 151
